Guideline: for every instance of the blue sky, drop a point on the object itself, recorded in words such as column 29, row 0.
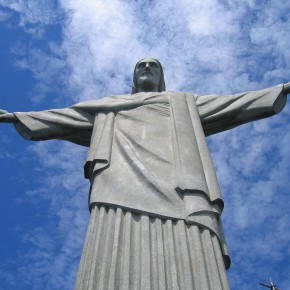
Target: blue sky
column 56, row 53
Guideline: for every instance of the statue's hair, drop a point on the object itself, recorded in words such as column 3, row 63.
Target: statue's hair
column 161, row 86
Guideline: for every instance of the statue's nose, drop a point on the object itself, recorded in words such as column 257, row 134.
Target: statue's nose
column 147, row 66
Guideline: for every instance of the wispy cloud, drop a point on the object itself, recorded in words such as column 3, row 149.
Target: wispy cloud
column 205, row 47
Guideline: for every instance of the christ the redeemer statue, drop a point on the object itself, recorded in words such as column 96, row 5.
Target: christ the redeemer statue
column 154, row 199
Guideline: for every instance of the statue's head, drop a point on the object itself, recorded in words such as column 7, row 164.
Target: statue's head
column 148, row 76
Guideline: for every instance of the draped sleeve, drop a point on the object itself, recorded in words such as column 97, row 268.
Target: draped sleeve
column 222, row 112
column 73, row 124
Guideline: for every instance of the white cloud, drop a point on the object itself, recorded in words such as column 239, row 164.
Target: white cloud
column 58, row 243
column 205, row 46
column 33, row 14
column 4, row 16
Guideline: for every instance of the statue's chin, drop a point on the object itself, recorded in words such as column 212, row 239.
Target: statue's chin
column 147, row 83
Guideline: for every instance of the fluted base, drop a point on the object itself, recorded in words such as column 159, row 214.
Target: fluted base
column 124, row 250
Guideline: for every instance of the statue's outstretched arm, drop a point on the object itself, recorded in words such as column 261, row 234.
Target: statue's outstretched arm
column 286, row 89
column 70, row 124
column 6, row 117
column 223, row 112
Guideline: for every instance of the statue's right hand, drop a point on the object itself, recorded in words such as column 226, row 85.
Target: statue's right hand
column 6, row 117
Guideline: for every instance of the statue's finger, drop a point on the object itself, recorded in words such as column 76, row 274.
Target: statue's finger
column 3, row 112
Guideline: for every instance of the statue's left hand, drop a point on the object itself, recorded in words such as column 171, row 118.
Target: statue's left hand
column 286, row 88
column 6, row 117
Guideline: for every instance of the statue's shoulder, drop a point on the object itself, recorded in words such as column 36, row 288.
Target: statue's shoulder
column 101, row 101
column 181, row 94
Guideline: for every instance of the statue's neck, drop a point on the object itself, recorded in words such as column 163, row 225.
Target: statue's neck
column 147, row 89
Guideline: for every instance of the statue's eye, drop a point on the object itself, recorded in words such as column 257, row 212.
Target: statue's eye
column 140, row 65
column 153, row 64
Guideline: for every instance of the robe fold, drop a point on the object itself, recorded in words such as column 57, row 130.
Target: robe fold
column 148, row 152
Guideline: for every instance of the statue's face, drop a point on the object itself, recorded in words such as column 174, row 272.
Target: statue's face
column 148, row 75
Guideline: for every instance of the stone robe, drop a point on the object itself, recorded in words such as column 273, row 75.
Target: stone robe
column 148, row 152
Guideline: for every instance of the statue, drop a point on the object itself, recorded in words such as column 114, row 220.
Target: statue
column 154, row 198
